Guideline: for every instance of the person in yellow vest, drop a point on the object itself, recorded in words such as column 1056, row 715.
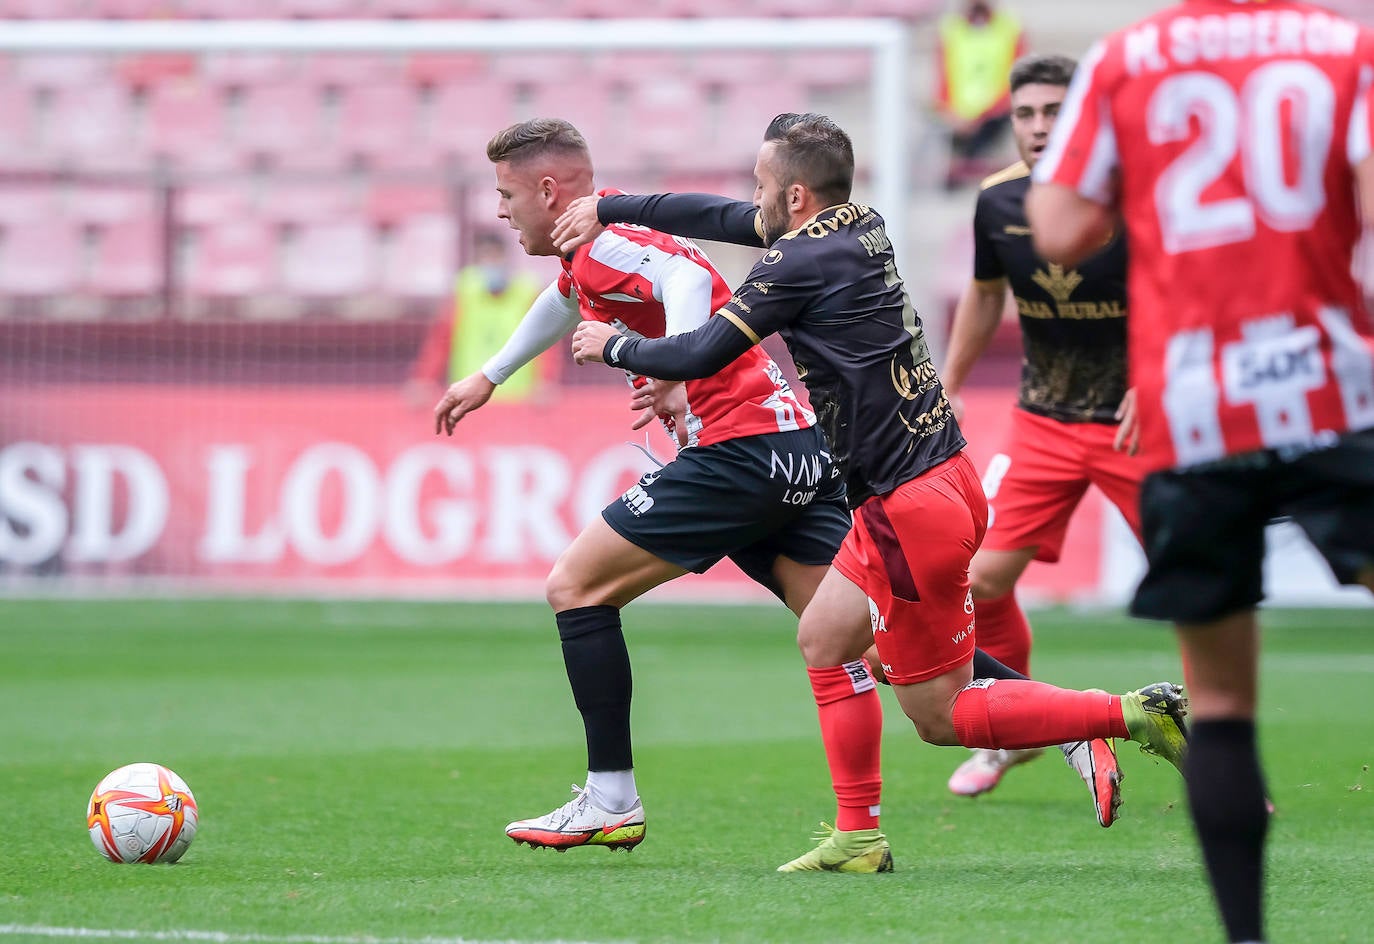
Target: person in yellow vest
column 489, row 299
column 976, row 48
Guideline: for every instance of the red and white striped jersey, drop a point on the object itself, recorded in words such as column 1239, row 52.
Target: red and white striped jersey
column 617, row 278
column 1228, row 133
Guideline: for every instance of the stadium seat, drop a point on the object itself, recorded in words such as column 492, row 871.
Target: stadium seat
column 830, row 68
column 235, row 70
column 379, row 127
column 61, row 72
column 24, row 203
column 590, row 112
column 323, row 9
column 107, row 204
column 199, row 205
column 237, row 258
column 352, row 69
column 668, row 123
column 420, row 257
column 186, row 126
column 132, row 9
column 17, row 143
column 230, row 9
column 146, row 70
column 128, row 259
column 43, row 9
column 745, row 111
column 331, row 260
column 324, row 201
column 463, row 117
column 279, row 120
column 439, row 69
column 719, row 66
column 390, row 204
column 41, row 257
column 92, row 128
column 416, row 8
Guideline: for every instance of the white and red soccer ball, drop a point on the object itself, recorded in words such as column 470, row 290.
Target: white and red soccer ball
column 142, row 813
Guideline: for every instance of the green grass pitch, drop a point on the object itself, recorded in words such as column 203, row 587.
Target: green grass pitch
column 355, row 764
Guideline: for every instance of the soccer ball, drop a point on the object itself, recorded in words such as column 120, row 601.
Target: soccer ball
column 142, row 813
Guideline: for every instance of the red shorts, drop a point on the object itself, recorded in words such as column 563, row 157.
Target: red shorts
column 1037, row 480
column 909, row 551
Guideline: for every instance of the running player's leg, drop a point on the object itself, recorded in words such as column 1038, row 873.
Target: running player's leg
column 925, row 636
column 834, row 631
column 595, row 576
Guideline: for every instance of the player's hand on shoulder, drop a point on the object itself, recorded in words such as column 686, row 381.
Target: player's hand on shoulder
column 1128, row 433
column 589, row 340
column 461, row 398
column 578, row 224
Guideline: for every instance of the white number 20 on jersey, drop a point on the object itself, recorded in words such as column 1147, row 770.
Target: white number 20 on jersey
column 1255, row 124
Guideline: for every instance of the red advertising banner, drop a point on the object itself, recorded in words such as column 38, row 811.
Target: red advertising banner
column 311, row 489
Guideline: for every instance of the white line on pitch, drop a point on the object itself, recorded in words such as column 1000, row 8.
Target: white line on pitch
column 226, row 937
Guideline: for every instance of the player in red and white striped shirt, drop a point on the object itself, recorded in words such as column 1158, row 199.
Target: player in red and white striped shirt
column 1233, row 137
column 754, row 480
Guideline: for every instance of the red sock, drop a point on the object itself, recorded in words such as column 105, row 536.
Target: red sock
column 1014, row 714
column 851, row 730
column 1003, row 631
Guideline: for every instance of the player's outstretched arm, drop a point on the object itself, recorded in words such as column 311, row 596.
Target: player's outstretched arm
column 976, row 319
column 694, row 215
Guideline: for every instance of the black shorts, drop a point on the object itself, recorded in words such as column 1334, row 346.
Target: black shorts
column 750, row 499
column 1203, row 527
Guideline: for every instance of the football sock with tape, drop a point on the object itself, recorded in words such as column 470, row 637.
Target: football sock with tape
column 1226, row 797
column 851, row 717
column 1012, row 713
column 1003, row 632
column 598, row 667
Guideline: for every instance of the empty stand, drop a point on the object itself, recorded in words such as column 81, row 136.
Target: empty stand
column 127, row 259
column 331, row 260
column 420, row 257
column 233, row 259
column 41, row 257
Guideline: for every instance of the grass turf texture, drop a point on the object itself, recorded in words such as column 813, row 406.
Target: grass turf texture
column 355, row 764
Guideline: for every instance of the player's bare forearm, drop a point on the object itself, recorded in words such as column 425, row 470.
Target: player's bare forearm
column 1066, row 226
column 976, row 319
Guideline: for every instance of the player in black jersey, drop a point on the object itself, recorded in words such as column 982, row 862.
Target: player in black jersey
column 1065, row 431
column 829, row 284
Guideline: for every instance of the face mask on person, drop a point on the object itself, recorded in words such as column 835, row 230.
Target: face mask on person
column 495, row 278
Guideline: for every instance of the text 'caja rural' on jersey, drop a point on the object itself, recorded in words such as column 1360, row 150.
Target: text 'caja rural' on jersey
column 832, row 291
column 1232, row 131
column 1073, row 321
column 618, row 278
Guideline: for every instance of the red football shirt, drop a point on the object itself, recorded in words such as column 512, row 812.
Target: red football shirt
column 614, row 277
column 1228, row 132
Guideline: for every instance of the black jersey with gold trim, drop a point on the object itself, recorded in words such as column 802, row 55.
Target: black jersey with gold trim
column 831, row 289
column 1073, row 322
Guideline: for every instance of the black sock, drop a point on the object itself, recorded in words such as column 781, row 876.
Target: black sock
column 1227, row 798
column 985, row 666
column 598, row 667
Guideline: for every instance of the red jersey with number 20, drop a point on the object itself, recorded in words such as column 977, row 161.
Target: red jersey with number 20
column 615, row 279
column 1232, row 130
